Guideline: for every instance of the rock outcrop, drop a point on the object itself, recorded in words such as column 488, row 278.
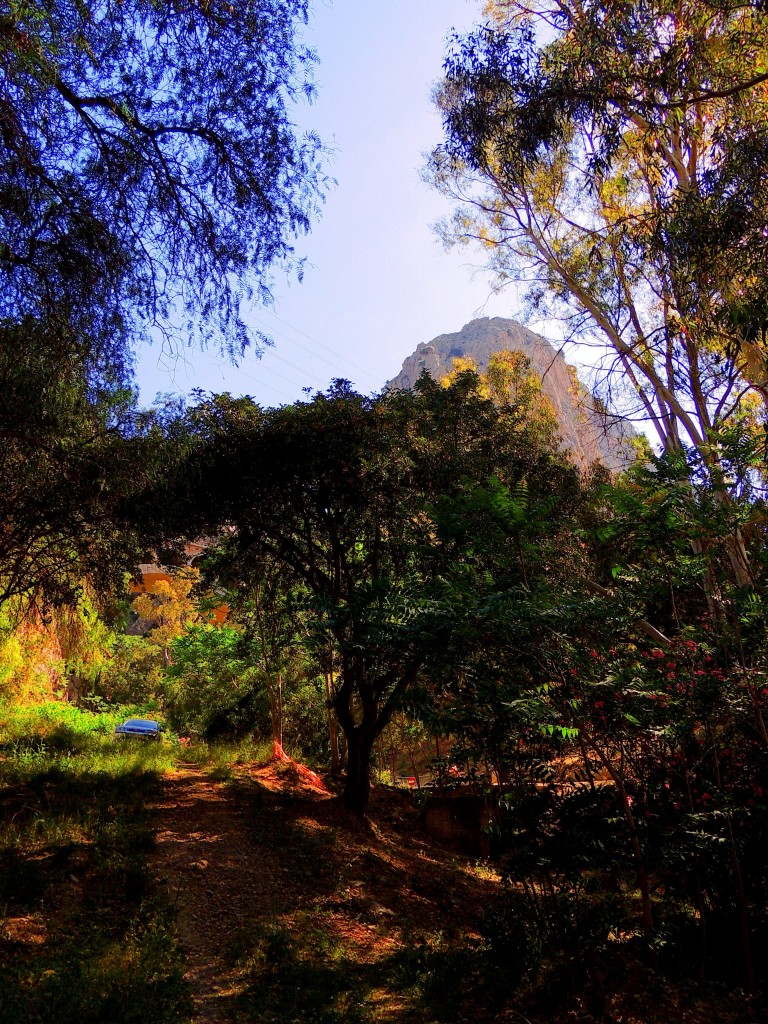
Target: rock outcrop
column 587, row 433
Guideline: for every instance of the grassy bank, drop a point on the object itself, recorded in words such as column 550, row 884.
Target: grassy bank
column 83, row 938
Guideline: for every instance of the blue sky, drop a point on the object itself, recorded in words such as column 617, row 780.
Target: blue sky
column 378, row 281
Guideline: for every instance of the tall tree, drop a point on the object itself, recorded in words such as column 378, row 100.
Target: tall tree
column 595, row 151
column 340, row 491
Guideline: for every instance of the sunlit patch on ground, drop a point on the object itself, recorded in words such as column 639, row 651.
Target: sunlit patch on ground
column 24, row 931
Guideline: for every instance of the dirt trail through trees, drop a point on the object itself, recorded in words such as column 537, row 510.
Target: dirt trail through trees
column 223, row 876
column 290, row 910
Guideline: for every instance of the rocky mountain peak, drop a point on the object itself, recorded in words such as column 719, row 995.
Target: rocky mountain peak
column 586, row 432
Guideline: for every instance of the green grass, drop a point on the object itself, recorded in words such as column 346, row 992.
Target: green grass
column 100, row 756
column 222, row 758
column 59, row 721
column 84, row 939
column 82, row 936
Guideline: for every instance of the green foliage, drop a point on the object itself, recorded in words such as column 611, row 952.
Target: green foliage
column 210, row 684
column 305, row 728
column 631, row 766
column 133, row 672
column 75, row 457
column 136, row 665
column 338, row 501
column 85, row 640
column 29, row 662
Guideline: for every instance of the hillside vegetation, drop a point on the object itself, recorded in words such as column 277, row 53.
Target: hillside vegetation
column 363, row 615
column 229, row 886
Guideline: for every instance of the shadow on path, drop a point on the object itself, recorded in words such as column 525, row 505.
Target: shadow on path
column 289, row 910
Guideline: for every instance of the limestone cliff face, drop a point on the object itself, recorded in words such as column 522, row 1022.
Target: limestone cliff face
column 586, row 433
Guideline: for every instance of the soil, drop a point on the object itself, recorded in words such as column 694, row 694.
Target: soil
column 273, row 848
column 218, row 875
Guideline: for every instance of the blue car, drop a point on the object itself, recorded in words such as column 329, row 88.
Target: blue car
column 141, row 728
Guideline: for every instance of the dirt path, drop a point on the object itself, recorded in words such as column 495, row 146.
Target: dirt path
column 222, row 876
column 289, row 910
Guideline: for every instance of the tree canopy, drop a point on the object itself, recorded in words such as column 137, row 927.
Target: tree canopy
column 343, row 492
column 151, row 175
column 598, row 153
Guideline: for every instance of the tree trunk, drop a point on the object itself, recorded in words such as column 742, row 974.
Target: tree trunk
column 273, row 714
column 333, row 727
column 280, row 707
column 361, row 736
column 357, row 784
column 414, row 766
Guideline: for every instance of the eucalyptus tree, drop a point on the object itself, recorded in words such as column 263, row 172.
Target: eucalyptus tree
column 342, row 492
column 600, row 153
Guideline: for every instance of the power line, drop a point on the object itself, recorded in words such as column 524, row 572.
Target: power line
column 277, row 373
column 301, row 369
column 309, row 337
column 262, row 383
column 270, row 370
column 288, row 362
